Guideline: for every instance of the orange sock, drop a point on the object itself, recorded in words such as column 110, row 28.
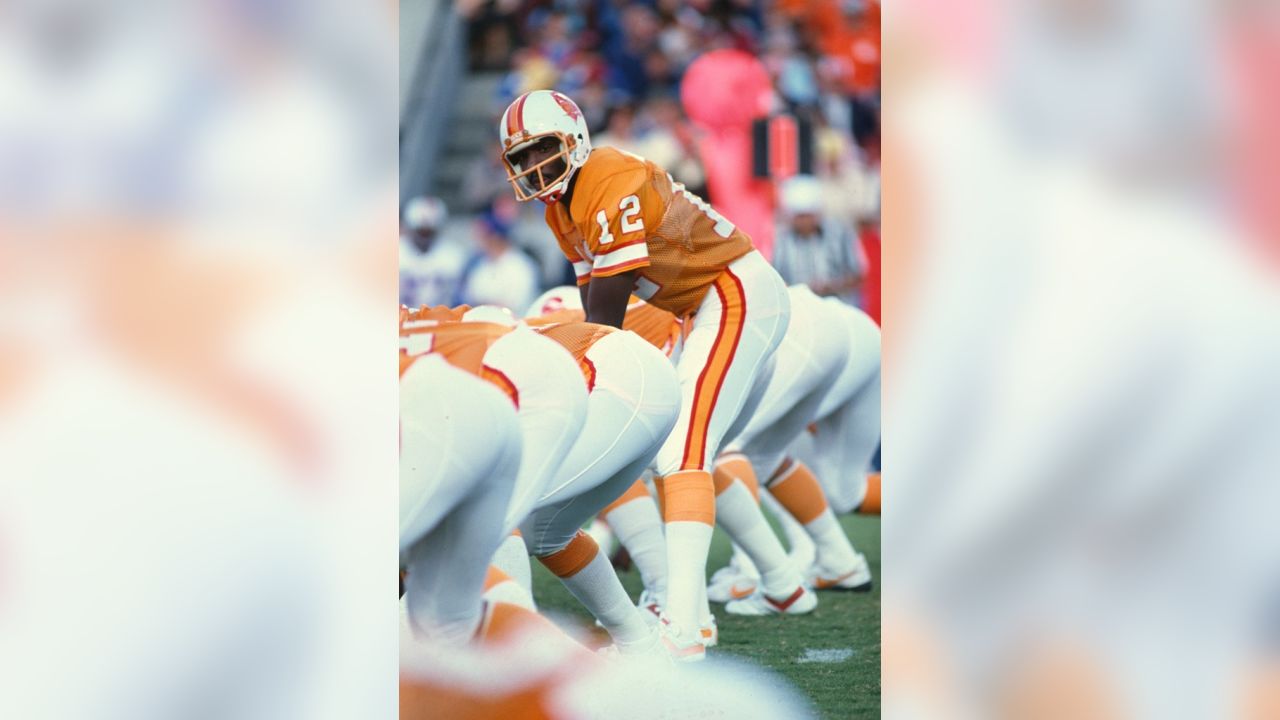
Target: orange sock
column 503, row 620
column 799, row 492
column 493, row 577
column 871, row 503
column 735, row 466
column 661, row 496
column 635, row 492
column 573, row 557
column 689, row 495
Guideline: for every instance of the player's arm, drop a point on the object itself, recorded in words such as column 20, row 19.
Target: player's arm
column 605, row 298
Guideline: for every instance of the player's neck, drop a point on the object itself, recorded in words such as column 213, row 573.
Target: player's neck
column 567, row 198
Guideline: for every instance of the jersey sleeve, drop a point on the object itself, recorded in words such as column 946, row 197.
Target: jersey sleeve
column 617, row 230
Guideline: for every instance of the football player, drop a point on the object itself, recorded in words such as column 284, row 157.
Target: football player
column 632, row 402
column 628, row 227
column 827, row 375
column 451, row 498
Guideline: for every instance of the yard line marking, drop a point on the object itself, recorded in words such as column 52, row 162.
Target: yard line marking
column 828, row 655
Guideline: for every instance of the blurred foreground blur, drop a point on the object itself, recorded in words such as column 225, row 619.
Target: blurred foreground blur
column 1083, row 405
column 197, row 403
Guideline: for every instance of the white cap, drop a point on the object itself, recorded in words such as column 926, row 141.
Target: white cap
column 802, row 194
column 424, row 212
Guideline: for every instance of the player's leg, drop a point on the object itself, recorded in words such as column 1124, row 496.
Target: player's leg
column 636, row 522
column 574, row 557
column 446, row 566
column 739, row 324
column 848, row 429
column 837, row 564
column 553, row 406
column 630, row 413
column 512, row 559
column 780, row 589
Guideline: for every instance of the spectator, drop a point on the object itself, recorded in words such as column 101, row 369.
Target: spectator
column 429, row 268
column 813, row 249
column 498, row 274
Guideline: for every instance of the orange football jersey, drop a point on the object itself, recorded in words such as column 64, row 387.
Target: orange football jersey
column 577, row 338
column 461, row 344
column 658, row 327
column 629, row 214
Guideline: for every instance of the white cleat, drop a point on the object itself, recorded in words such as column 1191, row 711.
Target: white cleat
column 729, row 583
column 652, row 647
column 682, row 647
column 652, row 609
column 857, row 579
column 709, row 633
column 799, row 602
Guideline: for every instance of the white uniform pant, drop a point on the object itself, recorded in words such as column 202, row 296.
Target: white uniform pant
column 459, row 457
column 848, row 428
column 806, row 366
column 739, row 324
column 553, row 407
column 630, row 413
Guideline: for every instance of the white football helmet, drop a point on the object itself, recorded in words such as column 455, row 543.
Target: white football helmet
column 565, row 297
column 536, row 115
column 491, row 314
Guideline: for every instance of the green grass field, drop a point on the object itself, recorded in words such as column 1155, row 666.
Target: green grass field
column 843, row 620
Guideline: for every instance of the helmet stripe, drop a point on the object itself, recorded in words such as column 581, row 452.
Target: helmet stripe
column 515, row 122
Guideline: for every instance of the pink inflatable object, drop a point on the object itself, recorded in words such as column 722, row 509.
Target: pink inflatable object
column 722, row 92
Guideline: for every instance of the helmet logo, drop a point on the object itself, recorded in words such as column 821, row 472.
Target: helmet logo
column 567, row 105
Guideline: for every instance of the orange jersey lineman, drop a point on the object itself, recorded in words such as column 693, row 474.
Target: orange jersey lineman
column 463, row 345
column 628, row 214
column 657, row 327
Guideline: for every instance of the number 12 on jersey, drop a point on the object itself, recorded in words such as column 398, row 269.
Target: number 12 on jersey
column 631, row 220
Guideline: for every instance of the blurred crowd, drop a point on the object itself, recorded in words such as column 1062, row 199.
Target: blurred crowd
column 623, row 63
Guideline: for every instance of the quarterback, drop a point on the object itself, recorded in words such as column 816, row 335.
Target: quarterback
column 628, row 227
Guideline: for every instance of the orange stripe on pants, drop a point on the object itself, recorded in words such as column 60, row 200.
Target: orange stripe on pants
column 733, row 313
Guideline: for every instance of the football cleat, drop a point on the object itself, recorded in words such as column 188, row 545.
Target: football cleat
column 649, row 604
column 799, row 602
column 858, row 579
column 729, row 583
column 709, row 633
column 681, row 646
column 652, row 646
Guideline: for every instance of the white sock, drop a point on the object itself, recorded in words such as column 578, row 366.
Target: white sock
column 835, row 553
column 742, row 561
column 688, row 542
column 802, row 549
column 597, row 587
column 638, row 526
column 738, row 514
column 512, row 558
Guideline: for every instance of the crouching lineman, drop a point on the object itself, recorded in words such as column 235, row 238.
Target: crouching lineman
column 459, row 456
column 822, row 348
column 447, row 567
column 632, row 402
column 631, row 515
column 628, row 227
